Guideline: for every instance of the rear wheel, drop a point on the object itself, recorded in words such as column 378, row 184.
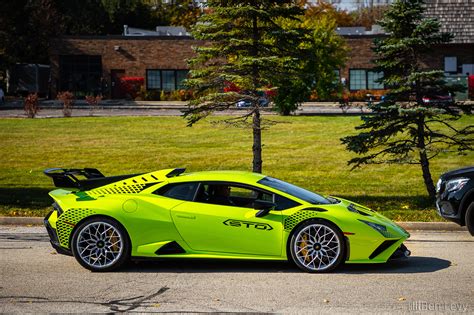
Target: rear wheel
column 470, row 218
column 317, row 246
column 100, row 244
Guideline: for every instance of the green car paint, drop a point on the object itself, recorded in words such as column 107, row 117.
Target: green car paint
column 205, row 230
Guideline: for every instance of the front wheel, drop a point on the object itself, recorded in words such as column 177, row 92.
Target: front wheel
column 470, row 218
column 317, row 246
column 100, row 244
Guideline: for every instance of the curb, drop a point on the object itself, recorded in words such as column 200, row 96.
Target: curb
column 410, row 226
column 431, row 226
column 21, row 221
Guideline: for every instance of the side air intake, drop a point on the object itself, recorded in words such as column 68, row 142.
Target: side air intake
column 382, row 247
column 170, row 248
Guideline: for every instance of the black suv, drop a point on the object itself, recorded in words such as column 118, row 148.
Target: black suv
column 455, row 197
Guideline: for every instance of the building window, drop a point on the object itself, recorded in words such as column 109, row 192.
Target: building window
column 451, row 64
column 167, row 80
column 337, row 77
column 80, row 74
column 361, row 79
column 153, row 79
column 180, row 77
column 372, row 80
column 357, row 79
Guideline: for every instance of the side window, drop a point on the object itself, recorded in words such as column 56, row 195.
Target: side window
column 181, row 191
column 240, row 192
column 228, row 194
column 283, row 203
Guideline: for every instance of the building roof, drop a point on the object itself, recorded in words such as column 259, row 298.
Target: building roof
column 456, row 17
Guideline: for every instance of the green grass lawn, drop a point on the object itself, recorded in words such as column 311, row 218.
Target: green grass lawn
column 303, row 150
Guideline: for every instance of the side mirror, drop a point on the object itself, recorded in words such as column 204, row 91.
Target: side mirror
column 263, row 206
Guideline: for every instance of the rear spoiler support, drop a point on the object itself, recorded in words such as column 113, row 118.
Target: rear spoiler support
column 175, row 172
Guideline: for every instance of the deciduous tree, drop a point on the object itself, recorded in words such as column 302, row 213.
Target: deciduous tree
column 323, row 52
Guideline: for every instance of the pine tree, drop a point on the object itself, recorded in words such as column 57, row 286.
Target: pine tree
column 404, row 128
column 245, row 48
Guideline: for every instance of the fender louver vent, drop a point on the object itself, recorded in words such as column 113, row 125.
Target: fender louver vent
column 170, row 248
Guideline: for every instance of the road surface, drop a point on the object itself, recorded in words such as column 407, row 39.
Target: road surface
column 438, row 277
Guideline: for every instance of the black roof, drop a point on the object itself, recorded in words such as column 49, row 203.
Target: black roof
column 456, row 17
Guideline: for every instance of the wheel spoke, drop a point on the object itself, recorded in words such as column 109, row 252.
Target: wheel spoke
column 302, row 248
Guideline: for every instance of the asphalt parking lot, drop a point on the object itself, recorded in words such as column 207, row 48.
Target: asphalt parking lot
column 438, row 277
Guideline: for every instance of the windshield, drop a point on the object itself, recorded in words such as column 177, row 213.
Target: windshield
column 295, row 191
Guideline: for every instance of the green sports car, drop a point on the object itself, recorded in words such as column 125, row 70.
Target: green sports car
column 106, row 221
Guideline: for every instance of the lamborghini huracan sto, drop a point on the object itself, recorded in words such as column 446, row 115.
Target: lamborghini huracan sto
column 106, row 221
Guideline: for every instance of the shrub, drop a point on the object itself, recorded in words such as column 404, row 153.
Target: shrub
column 175, row 95
column 93, row 102
column 68, row 100
column 185, row 95
column 231, row 87
column 131, row 86
column 31, row 105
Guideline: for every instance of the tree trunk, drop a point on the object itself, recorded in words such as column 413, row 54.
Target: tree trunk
column 257, row 142
column 424, row 162
column 257, row 132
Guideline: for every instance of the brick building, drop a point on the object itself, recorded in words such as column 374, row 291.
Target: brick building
column 94, row 64
column 455, row 58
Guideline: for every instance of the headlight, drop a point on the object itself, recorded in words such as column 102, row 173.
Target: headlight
column 438, row 185
column 456, row 184
column 382, row 229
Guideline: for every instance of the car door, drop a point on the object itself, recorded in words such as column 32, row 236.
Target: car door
column 213, row 225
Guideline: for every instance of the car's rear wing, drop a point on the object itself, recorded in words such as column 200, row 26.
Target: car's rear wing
column 82, row 179
column 90, row 178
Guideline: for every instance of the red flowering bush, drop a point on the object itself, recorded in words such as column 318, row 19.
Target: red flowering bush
column 231, row 87
column 271, row 92
column 131, row 85
column 471, row 87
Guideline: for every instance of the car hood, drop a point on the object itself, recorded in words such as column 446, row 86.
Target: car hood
column 366, row 214
column 467, row 171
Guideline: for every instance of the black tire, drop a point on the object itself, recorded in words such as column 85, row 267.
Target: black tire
column 108, row 251
column 469, row 218
column 322, row 247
